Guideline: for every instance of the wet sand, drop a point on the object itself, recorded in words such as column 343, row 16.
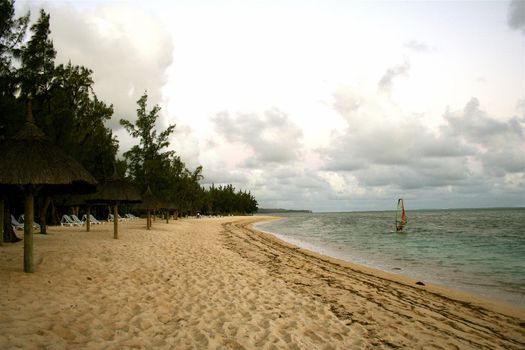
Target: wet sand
column 218, row 284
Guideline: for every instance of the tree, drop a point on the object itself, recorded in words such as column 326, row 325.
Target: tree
column 76, row 120
column 184, row 187
column 65, row 106
column 225, row 200
column 148, row 162
column 12, row 32
column 38, row 57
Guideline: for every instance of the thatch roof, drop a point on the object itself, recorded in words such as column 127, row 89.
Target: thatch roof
column 169, row 205
column 149, row 201
column 29, row 158
column 115, row 190
column 77, row 200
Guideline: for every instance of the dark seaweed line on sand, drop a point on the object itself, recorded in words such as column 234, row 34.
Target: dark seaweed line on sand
column 408, row 295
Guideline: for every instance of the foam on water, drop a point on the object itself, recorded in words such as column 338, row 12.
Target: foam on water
column 481, row 251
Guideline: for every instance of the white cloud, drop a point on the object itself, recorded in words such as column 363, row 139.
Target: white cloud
column 386, row 81
column 127, row 48
column 417, row 46
column 500, row 144
column 336, row 113
column 516, row 15
column 397, row 152
column 271, row 137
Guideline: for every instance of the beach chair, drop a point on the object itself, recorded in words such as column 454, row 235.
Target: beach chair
column 131, row 216
column 92, row 220
column 36, row 225
column 16, row 224
column 119, row 218
column 67, row 221
column 76, row 220
column 110, row 218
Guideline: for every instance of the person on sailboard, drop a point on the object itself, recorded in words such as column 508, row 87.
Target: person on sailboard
column 401, row 219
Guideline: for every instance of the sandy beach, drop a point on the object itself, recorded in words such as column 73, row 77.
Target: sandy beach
column 219, row 284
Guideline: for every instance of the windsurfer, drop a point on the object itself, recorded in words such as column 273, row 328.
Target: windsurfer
column 401, row 219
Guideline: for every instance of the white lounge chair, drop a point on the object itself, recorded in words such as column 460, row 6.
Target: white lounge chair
column 20, row 221
column 67, row 221
column 92, row 220
column 16, row 224
column 131, row 216
column 110, row 218
column 76, row 219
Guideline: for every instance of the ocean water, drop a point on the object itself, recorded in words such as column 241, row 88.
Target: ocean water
column 480, row 251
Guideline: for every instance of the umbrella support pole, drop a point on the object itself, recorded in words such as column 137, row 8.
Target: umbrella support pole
column 28, row 232
column 148, row 221
column 88, row 220
column 115, row 221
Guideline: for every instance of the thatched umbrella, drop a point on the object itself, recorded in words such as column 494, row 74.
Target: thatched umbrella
column 149, row 203
column 113, row 192
column 80, row 200
column 168, row 205
column 29, row 161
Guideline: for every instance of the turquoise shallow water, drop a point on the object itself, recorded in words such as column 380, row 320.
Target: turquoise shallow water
column 481, row 251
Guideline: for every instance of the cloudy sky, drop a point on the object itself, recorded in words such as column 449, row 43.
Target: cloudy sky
column 323, row 105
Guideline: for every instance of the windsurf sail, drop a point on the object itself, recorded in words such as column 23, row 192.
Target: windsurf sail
column 401, row 216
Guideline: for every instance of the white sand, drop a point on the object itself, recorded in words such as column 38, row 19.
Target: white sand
column 214, row 284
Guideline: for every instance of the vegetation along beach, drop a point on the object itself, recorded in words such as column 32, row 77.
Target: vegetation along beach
column 143, row 145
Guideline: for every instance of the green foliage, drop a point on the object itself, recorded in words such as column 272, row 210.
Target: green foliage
column 167, row 175
column 38, row 57
column 12, row 32
column 76, row 120
column 65, row 106
column 147, row 160
column 225, row 200
column 68, row 111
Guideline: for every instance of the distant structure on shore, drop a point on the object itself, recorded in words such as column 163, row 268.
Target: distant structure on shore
column 274, row 211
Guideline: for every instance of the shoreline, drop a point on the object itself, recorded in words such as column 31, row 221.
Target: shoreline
column 443, row 291
column 399, row 313
column 217, row 283
column 453, row 291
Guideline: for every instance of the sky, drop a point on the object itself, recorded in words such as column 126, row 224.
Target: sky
column 322, row 105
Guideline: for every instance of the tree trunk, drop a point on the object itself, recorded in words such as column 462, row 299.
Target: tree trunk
column 28, row 231
column 9, row 232
column 43, row 215
column 55, row 220
column 1, row 221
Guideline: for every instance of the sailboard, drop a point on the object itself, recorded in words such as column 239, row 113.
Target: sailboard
column 401, row 216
